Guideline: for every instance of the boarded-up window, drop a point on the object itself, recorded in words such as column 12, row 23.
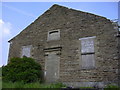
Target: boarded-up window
column 87, row 53
column 54, row 35
column 26, row 51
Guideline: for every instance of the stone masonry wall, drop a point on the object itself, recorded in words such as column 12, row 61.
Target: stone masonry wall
column 73, row 25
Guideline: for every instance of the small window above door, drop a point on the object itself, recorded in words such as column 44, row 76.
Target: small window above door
column 53, row 35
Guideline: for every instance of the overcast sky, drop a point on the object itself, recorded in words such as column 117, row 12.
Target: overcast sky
column 17, row 16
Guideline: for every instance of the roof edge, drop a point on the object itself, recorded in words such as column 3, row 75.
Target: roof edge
column 56, row 5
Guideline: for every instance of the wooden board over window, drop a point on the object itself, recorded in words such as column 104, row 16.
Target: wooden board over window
column 87, row 45
column 53, row 35
column 87, row 52
column 52, row 61
column 88, row 61
column 26, row 51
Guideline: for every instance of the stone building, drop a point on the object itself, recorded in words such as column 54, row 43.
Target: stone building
column 74, row 47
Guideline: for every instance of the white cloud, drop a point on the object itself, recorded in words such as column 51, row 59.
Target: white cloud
column 5, row 33
column 5, row 28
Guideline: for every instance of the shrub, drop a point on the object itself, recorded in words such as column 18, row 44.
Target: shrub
column 22, row 69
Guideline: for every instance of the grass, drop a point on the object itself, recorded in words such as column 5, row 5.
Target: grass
column 30, row 85
column 39, row 85
column 111, row 87
column 0, row 85
column 86, row 87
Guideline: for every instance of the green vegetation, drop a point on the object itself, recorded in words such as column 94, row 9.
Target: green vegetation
column 31, row 85
column 86, row 87
column 111, row 87
column 39, row 85
column 0, row 83
column 22, row 70
column 24, row 73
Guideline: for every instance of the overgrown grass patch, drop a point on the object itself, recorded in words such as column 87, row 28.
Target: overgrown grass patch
column 12, row 85
column 86, row 87
column 111, row 87
column 31, row 85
